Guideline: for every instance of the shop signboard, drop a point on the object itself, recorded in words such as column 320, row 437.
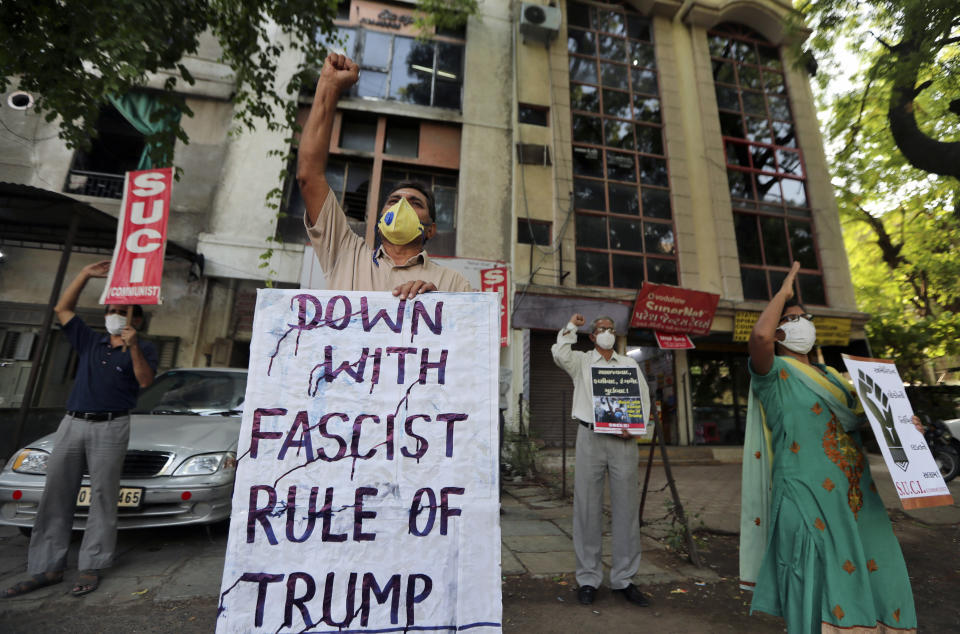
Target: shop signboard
column 672, row 309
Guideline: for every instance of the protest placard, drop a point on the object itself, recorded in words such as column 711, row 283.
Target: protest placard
column 915, row 475
column 366, row 496
column 136, row 268
column 617, row 404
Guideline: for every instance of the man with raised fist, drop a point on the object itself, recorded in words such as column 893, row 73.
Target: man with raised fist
column 398, row 261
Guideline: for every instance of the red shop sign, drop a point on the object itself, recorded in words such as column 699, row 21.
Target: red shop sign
column 673, row 309
column 668, row 341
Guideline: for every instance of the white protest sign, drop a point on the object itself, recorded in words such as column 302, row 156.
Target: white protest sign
column 366, row 496
column 915, row 474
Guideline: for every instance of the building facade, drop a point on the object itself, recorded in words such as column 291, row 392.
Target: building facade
column 588, row 147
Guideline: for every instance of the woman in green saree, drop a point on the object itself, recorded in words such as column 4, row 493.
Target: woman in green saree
column 816, row 545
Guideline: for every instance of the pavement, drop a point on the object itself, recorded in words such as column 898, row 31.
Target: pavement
column 162, row 565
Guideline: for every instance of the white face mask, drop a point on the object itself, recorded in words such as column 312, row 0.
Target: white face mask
column 115, row 324
column 800, row 335
column 606, row 339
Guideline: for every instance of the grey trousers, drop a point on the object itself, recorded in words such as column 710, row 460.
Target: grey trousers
column 104, row 444
column 598, row 455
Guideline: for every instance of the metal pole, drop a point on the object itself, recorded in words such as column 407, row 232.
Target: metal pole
column 38, row 352
column 691, row 545
column 563, row 444
column 520, row 428
column 646, row 477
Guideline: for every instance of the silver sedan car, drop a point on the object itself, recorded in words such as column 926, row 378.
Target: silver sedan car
column 180, row 463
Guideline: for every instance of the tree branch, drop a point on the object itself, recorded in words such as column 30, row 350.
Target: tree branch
column 855, row 128
column 947, row 41
column 890, row 47
column 921, row 151
column 891, row 252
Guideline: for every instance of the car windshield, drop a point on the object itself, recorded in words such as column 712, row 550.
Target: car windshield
column 194, row 392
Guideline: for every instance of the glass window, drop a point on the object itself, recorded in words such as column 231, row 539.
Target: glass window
column 534, row 232
column 588, row 194
column 358, row 133
column 402, row 138
column 587, row 130
column 593, row 268
column 376, row 50
column 618, row 134
column 584, row 98
column 403, row 68
column 621, row 166
column 656, row 202
column 616, row 103
column 763, row 164
column 625, row 234
column 412, row 76
column 649, row 139
column 582, row 42
column 591, row 231
column 533, row 115
column 613, row 76
column 587, row 162
column 627, row 271
column 658, row 238
column 662, row 271
column 624, row 199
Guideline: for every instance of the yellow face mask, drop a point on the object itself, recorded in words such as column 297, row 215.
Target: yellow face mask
column 400, row 224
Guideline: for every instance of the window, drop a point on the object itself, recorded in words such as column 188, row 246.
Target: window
column 765, row 169
column 534, row 232
column 401, row 68
column 350, row 183
column 533, row 115
column 115, row 150
column 624, row 222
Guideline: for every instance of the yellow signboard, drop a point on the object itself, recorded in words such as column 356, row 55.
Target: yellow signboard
column 831, row 331
column 743, row 322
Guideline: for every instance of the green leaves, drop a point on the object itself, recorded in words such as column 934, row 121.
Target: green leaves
column 901, row 223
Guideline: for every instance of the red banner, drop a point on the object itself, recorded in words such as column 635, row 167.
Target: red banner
column 674, row 309
column 495, row 280
column 668, row 341
column 137, row 266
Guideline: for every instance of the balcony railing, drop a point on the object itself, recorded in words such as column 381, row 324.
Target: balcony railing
column 95, row 184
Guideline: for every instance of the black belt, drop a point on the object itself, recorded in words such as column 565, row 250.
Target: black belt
column 98, row 417
column 585, row 424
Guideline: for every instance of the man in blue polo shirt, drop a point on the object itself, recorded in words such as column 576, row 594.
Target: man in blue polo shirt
column 111, row 369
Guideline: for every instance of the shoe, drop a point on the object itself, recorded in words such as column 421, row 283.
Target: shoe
column 586, row 595
column 87, row 582
column 632, row 594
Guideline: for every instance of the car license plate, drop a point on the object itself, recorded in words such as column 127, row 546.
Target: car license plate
column 128, row 497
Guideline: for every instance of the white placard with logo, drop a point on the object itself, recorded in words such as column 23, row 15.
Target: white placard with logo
column 916, row 477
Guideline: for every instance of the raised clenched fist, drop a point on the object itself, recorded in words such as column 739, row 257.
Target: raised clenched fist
column 578, row 320
column 340, row 71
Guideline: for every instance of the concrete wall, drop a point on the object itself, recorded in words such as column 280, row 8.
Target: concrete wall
column 483, row 220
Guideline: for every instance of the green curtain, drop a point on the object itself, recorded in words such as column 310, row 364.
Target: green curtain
column 139, row 109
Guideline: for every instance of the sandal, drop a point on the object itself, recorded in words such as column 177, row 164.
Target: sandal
column 35, row 582
column 87, row 582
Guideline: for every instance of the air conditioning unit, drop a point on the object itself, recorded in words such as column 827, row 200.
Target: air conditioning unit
column 539, row 23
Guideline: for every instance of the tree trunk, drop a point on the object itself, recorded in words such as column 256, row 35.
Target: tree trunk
column 920, row 150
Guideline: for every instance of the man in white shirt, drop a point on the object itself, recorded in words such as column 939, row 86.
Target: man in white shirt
column 597, row 455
